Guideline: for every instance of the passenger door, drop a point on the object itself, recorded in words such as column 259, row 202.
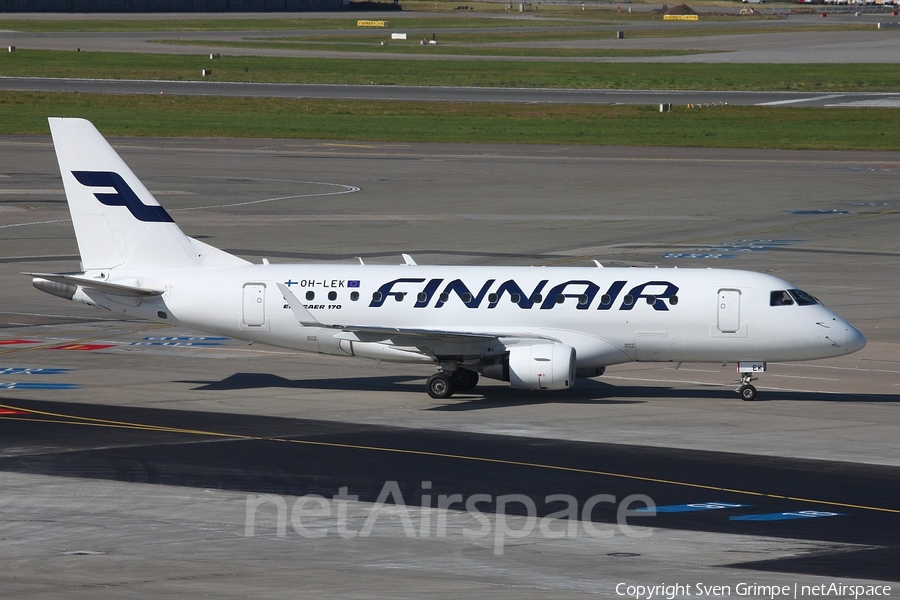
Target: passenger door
column 254, row 304
column 729, row 310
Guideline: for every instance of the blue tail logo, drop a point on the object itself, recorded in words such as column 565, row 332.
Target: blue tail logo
column 124, row 196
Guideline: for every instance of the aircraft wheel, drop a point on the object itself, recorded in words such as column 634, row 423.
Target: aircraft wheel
column 747, row 392
column 439, row 386
column 464, row 379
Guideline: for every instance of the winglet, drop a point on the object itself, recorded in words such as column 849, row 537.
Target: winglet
column 408, row 260
column 303, row 316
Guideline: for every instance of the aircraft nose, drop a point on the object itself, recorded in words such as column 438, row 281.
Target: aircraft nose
column 854, row 340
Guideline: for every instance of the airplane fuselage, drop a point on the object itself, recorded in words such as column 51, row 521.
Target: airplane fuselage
column 609, row 315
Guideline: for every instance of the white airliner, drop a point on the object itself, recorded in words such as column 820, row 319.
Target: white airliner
column 538, row 328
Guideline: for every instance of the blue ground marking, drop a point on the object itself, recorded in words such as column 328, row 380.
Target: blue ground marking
column 697, row 255
column 731, row 249
column 785, row 516
column 16, row 385
column 33, row 370
column 179, row 344
column 820, row 211
column 678, row 508
column 187, row 338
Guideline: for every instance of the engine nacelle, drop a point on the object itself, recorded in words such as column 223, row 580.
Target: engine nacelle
column 535, row 367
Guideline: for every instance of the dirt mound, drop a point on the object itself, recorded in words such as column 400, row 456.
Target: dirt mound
column 681, row 9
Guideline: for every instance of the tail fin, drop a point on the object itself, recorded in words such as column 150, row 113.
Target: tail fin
column 118, row 223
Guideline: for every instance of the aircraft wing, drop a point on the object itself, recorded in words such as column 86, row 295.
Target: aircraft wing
column 415, row 336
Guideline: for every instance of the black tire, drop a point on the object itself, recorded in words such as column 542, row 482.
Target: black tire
column 439, row 386
column 747, row 392
column 464, row 379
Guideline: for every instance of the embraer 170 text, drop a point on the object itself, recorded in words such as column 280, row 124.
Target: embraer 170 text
column 538, row 328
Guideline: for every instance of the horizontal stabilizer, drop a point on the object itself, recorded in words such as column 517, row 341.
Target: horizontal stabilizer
column 116, row 289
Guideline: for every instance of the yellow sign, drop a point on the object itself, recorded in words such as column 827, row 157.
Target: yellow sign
column 681, row 18
column 363, row 23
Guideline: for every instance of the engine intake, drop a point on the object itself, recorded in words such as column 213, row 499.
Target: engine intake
column 536, row 367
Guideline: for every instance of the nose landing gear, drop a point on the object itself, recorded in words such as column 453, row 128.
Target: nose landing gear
column 746, row 371
column 747, row 391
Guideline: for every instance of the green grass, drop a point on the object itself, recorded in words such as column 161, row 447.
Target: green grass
column 726, row 126
column 561, row 34
column 548, row 16
column 412, row 47
column 244, row 24
column 449, row 72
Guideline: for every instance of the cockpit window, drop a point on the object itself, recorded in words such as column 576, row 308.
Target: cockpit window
column 780, row 298
column 802, row 298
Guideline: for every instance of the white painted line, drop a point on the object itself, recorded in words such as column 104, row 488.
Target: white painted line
column 681, row 381
column 878, row 103
column 97, row 318
column 841, row 368
column 11, row 192
column 801, row 377
column 35, row 223
column 799, row 100
column 707, row 384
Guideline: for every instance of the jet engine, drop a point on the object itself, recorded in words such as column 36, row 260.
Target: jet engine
column 535, row 367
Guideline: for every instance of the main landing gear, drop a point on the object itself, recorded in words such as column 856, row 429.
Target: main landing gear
column 443, row 385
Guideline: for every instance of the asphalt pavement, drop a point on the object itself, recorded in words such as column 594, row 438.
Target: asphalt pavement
column 448, row 94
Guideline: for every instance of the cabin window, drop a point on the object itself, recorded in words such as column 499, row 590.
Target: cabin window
column 310, row 295
column 399, row 296
column 376, row 297
column 802, row 298
column 582, row 299
column 354, row 296
column 444, row 297
column 332, row 296
column 673, row 300
column 780, row 298
column 421, row 297
column 515, row 298
column 605, row 300
column 651, row 300
column 628, row 300
column 492, row 298
column 466, row 297
column 538, row 298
